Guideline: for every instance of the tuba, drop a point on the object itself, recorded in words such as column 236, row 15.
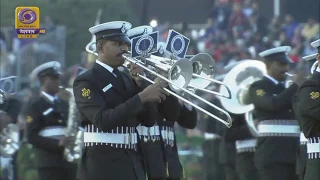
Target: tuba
column 10, row 134
column 239, row 79
column 74, row 151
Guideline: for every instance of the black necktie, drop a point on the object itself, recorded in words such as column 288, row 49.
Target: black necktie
column 118, row 77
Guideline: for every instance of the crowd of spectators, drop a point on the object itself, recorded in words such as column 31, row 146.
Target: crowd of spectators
column 236, row 30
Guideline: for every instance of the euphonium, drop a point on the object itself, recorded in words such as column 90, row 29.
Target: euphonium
column 74, row 151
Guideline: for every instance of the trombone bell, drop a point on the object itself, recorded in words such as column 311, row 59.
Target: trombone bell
column 179, row 72
column 203, row 65
column 203, row 70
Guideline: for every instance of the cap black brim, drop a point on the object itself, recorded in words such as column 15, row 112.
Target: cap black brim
column 124, row 39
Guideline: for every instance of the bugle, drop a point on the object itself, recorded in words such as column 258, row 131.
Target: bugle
column 176, row 85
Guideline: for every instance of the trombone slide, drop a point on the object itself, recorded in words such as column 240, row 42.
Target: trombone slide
column 229, row 119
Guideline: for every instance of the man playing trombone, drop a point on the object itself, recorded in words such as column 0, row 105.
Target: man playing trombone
column 308, row 109
column 158, row 142
column 112, row 104
column 278, row 130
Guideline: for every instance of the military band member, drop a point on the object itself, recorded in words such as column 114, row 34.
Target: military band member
column 158, row 164
column 302, row 155
column 45, row 125
column 309, row 116
column 279, row 133
column 227, row 156
column 212, row 135
column 187, row 119
column 150, row 139
column 245, row 146
column 112, row 104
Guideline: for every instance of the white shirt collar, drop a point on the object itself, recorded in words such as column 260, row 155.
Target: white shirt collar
column 48, row 96
column 271, row 78
column 318, row 68
column 107, row 67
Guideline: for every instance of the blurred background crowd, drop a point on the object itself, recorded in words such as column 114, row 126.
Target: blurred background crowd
column 232, row 30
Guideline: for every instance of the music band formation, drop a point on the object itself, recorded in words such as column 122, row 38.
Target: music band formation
column 118, row 122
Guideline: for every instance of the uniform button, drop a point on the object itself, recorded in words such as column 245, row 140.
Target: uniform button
column 60, row 121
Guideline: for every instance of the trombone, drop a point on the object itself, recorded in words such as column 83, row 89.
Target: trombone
column 203, row 69
column 180, row 75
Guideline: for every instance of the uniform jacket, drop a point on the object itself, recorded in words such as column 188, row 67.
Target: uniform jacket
column 48, row 153
column 108, row 102
column 272, row 101
column 309, row 106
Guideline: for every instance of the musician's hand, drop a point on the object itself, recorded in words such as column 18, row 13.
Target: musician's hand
column 153, row 93
column 134, row 71
column 162, row 82
column 66, row 141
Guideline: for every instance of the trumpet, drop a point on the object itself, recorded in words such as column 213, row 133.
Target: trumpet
column 179, row 76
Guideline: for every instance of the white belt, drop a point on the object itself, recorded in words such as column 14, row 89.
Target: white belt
column 210, row 136
column 303, row 139
column 53, row 131
column 110, row 138
column 148, row 131
column 247, row 145
column 313, row 148
column 167, row 135
column 278, row 130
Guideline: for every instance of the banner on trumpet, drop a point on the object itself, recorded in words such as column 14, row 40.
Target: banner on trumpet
column 177, row 44
column 144, row 45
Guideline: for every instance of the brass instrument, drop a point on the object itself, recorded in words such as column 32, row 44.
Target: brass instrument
column 10, row 134
column 179, row 75
column 90, row 57
column 239, row 79
column 203, row 69
column 73, row 152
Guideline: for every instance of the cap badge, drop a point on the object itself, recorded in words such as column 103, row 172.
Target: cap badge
column 145, row 31
column 123, row 28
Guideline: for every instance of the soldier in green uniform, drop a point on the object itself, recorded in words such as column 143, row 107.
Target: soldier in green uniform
column 279, row 133
column 308, row 108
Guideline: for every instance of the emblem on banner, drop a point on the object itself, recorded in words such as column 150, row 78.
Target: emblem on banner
column 144, row 45
column 177, row 44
